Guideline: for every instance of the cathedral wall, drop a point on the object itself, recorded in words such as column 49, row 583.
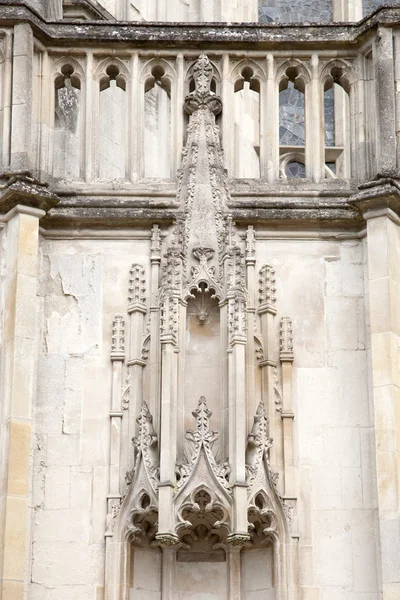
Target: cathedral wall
column 320, row 283
column 83, row 285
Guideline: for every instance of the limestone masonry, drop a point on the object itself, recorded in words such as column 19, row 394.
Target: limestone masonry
column 199, row 300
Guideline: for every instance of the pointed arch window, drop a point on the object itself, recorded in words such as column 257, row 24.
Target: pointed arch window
column 337, row 123
column 157, row 125
column 67, row 135
column 247, row 125
column 113, row 130
column 292, row 124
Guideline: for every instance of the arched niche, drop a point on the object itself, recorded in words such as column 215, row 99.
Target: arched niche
column 293, row 78
column 112, row 122
column 337, row 79
column 247, row 124
column 157, row 123
column 203, row 352
column 67, row 130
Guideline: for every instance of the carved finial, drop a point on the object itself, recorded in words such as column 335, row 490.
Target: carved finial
column 169, row 317
column 202, row 437
column 202, row 74
column 172, row 268
column 267, row 290
column 286, row 340
column 118, row 338
column 236, row 269
column 202, row 97
column 202, row 415
column 237, row 318
column 155, row 248
column 250, row 244
column 137, row 288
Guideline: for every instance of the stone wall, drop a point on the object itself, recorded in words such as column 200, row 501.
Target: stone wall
column 321, row 284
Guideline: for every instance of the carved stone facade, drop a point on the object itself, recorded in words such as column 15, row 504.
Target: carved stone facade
column 199, row 282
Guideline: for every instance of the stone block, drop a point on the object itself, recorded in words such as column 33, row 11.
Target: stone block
column 342, row 446
column 57, row 487
column 147, row 570
column 99, row 506
column 333, row 593
column 81, row 487
column 328, row 487
column 333, row 549
column 62, row 525
column 95, row 442
column 365, row 543
column 390, row 547
column 15, row 538
column 62, row 564
column 73, row 397
column 342, row 323
column 19, row 458
column 351, row 487
column 63, row 449
column 306, row 566
column 50, row 396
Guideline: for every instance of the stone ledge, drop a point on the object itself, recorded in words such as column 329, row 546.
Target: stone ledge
column 21, row 188
column 183, row 34
column 380, row 194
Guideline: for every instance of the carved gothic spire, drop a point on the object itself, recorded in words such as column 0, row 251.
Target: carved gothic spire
column 202, row 178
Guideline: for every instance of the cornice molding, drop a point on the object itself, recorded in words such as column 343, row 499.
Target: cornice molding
column 181, row 35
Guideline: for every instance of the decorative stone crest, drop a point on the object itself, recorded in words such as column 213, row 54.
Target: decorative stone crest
column 137, row 288
column 203, row 438
column 203, row 522
column 202, row 97
column 118, row 338
column 267, row 290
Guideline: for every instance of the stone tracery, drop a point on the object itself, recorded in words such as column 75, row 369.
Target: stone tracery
column 203, row 493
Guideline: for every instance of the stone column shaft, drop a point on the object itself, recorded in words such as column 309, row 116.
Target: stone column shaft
column 22, row 90
column 315, row 143
column 18, row 390
column 89, row 109
column 168, row 435
column 271, row 138
column 383, row 239
column 7, row 100
column 227, row 117
column 383, row 52
column 237, row 434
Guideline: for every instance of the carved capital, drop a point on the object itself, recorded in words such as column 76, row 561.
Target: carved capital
column 239, row 540
column 166, row 540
